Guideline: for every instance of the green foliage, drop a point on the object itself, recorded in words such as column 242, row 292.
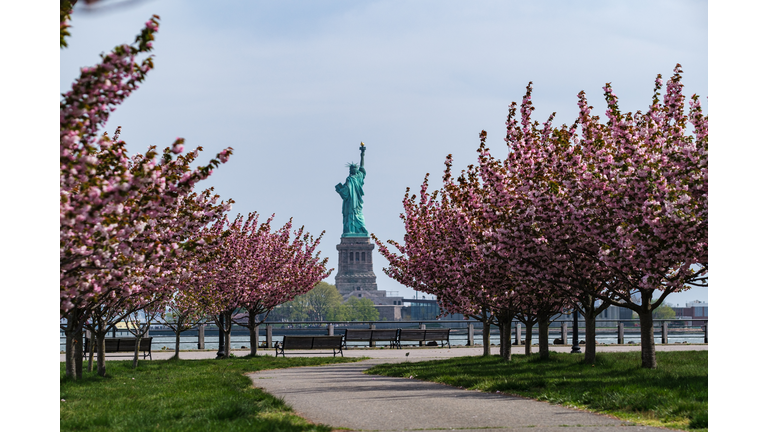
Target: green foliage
column 674, row 395
column 664, row 312
column 316, row 305
column 181, row 395
column 362, row 309
column 354, row 309
column 324, row 303
column 340, row 312
column 65, row 10
column 318, row 302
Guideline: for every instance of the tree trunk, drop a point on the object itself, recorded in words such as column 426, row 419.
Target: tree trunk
column 505, row 333
column 227, row 333
column 178, row 342
column 486, row 338
column 73, row 348
column 543, row 337
column 79, row 356
column 647, row 344
column 253, row 330
column 227, row 342
column 91, row 350
column 528, row 337
column 101, row 361
column 254, row 334
column 69, row 348
column 136, row 353
column 589, row 333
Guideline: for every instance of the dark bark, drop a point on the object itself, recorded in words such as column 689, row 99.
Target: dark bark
column 98, row 328
column 178, row 326
column 79, row 356
column 73, row 346
column 543, row 337
column 505, row 336
column 141, row 331
column 226, row 328
column 487, row 319
column 69, row 349
column 136, row 353
column 590, row 349
column 528, row 337
column 647, row 344
column 178, row 342
column 253, row 331
column 91, row 351
column 74, row 356
column 227, row 342
column 589, row 310
column 101, row 361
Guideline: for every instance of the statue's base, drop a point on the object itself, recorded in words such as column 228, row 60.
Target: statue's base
column 355, row 235
column 355, row 265
column 355, row 277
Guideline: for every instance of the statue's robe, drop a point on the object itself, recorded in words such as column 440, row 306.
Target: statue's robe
column 352, row 208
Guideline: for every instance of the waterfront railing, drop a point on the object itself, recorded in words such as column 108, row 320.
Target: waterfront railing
column 464, row 332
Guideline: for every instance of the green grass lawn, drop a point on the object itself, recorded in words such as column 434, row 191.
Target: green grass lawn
column 181, row 395
column 674, row 395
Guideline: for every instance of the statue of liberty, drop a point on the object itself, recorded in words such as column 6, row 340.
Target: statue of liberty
column 352, row 194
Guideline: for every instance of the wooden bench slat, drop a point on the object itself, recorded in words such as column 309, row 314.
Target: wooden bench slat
column 424, row 335
column 371, row 336
column 384, row 334
column 358, row 335
column 118, row 345
column 298, row 342
column 310, row 342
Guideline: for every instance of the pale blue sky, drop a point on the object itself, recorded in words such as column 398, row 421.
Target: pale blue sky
column 292, row 83
column 294, row 86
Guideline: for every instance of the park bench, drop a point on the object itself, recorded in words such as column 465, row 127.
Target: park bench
column 424, row 335
column 371, row 336
column 119, row 345
column 309, row 342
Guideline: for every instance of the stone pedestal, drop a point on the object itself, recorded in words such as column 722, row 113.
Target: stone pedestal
column 355, row 274
column 355, row 277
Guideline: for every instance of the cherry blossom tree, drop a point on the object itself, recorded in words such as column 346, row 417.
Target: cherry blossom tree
column 120, row 216
column 183, row 310
column 280, row 266
column 441, row 256
column 516, row 207
column 139, row 320
column 424, row 261
column 615, row 215
column 610, row 217
column 256, row 269
column 642, row 195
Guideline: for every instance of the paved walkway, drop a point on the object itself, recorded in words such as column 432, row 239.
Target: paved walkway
column 344, row 397
column 415, row 353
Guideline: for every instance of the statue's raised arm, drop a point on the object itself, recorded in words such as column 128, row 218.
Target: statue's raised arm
column 362, row 156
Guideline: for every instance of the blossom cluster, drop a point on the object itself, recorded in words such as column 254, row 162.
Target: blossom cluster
column 615, row 211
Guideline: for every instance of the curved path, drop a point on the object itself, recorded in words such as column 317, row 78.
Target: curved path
column 344, row 397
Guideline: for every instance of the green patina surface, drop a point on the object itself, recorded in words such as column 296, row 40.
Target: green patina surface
column 351, row 193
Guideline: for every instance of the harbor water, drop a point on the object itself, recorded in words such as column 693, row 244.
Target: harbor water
column 166, row 340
